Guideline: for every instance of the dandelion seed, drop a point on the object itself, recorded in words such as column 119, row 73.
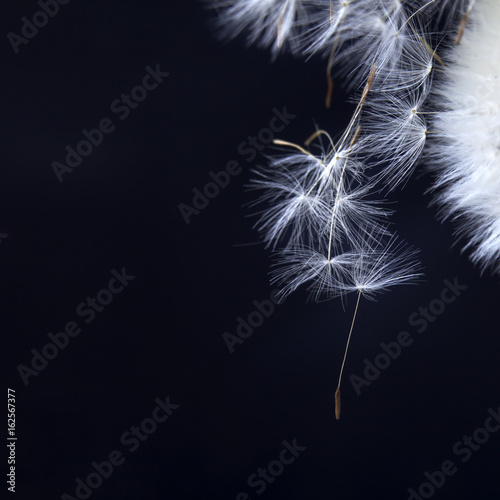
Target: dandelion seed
column 317, row 211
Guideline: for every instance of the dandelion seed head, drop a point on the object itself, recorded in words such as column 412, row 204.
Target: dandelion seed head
column 464, row 154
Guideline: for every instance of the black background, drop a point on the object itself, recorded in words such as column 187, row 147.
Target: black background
column 162, row 336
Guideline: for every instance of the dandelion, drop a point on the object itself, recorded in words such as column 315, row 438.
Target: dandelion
column 317, row 211
column 465, row 154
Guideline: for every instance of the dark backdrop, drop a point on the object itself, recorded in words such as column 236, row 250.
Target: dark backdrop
column 160, row 339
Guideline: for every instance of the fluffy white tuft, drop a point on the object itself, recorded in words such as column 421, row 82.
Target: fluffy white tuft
column 466, row 151
column 267, row 23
